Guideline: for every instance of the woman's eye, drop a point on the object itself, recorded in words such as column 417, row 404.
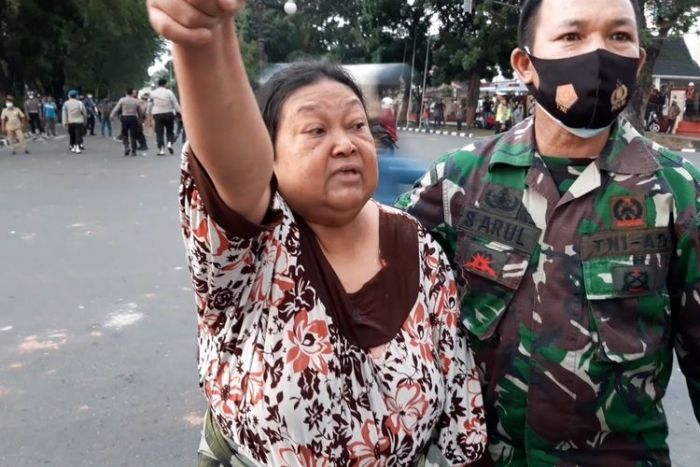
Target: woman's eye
column 316, row 131
column 360, row 125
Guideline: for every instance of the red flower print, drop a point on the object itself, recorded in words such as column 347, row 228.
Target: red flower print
column 310, row 344
column 406, row 408
column 417, row 326
column 305, row 458
column 253, row 381
column 202, row 233
column 475, row 430
column 225, row 391
column 367, row 453
column 446, row 307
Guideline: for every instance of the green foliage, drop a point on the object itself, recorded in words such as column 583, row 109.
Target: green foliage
column 481, row 41
column 97, row 46
column 663, row 18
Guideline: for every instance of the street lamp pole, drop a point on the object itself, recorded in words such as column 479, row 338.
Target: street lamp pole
column 425, row 80
column 410, row 83
column 290, row 8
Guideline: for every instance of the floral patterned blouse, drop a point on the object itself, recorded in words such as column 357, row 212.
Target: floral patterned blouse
column 286, row 387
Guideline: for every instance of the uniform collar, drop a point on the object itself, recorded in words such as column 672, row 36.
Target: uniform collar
column 627, row 152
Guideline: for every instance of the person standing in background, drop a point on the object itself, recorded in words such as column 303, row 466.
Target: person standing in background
column 504, row 115
column 673, row 112
column 32, row 108
column 91, row 114
column 143, row 105
column 11, row 123
column 74, row 117
column 131, row 114
column 163, row 107
column 50, row 114
column 518, row 114
column 460, row 114
column 104, row 109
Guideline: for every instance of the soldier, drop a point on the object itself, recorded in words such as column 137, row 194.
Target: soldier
column 576, row 242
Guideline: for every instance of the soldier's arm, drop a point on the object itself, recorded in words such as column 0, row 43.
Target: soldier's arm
column 684, row 288
column 426, row 202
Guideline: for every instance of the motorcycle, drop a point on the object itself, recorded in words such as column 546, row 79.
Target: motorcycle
column 386, row 144
column 653, row 123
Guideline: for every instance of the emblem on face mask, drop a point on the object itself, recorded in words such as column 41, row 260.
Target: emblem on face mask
column 618, row 100
column 566, row 97
column 628, row 212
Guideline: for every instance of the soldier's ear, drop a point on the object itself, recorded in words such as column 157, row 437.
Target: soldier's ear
column 522, row 65
column 642, row 60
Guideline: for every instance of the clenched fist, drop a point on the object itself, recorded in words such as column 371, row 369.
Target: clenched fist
column 190, row 22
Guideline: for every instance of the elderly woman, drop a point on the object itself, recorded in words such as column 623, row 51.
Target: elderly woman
column 328, row 325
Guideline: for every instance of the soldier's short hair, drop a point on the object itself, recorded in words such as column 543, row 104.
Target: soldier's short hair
column 529, row 13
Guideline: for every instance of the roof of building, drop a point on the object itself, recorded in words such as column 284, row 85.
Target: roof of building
column 675, row 60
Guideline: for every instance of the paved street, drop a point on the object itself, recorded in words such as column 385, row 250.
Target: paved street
column 97, row 329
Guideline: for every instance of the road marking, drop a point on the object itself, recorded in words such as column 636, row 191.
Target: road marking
column 125, row 317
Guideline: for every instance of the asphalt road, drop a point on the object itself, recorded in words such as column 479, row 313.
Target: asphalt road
column 97, row 320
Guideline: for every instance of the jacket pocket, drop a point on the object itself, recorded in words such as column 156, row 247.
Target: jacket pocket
column 629, row 303
column 490, row 272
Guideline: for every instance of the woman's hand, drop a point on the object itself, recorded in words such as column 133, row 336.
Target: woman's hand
column 191, row 22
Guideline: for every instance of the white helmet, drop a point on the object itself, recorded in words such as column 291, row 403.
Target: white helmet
column 387, row 103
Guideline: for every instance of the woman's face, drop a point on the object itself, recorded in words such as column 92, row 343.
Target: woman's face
column 326, row 160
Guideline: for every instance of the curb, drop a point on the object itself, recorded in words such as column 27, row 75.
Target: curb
column 471, row 135
column 436, row 132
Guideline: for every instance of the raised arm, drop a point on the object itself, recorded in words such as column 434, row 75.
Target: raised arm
column 224, row 125
column 176, row 104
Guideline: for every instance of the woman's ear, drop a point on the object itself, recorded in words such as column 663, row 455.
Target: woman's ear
column 521, row 63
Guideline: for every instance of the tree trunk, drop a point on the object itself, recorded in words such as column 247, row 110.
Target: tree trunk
column 473, row 91
column 640, row 98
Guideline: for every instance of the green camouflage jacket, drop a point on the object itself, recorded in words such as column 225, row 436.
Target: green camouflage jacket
column 574, row 302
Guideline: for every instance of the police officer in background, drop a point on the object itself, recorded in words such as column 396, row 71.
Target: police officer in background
column 576, row 242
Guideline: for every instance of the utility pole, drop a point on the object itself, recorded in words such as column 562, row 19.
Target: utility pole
column 410, row 83
column 467, row 6
column 425, row 80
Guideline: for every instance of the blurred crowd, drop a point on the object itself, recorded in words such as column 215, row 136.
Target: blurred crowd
column 145, row 113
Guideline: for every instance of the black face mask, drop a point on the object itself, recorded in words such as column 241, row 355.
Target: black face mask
column 587, row 91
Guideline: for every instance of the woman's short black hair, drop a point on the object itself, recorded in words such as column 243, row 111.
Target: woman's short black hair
column 273, row 94
column 528, row 21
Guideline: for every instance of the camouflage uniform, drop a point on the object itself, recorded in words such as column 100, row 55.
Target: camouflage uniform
column 575, row 301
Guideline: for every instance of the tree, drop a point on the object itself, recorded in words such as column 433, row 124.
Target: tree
column 667, row 17
column 473, row 46
column 100, row 46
